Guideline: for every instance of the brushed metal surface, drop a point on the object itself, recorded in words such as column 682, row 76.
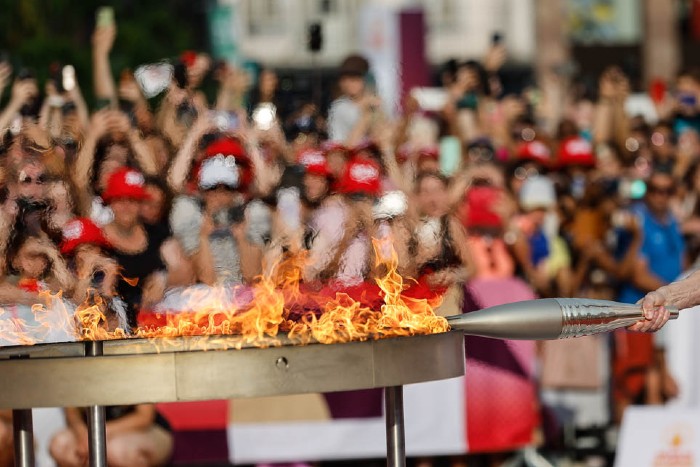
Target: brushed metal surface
column 202, row 375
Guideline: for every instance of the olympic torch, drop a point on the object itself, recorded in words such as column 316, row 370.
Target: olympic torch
column 549, row 318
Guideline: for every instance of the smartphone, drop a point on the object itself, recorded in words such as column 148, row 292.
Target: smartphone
column 225, row 121
column 68, row 78
column 264, row 116
column 450, row 157
column 104, row 17
column 496, row 38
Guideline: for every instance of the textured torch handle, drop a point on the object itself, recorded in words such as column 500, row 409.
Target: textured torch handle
column 580, row 318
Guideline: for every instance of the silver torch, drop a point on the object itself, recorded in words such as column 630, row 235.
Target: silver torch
column 549, row 318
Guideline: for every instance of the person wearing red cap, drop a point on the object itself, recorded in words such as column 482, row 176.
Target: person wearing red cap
column 428, row 159
column 321, row 214
column 442, row 257
column 139, row 249
column 86, row 248
column 359, row 189
column 337, row 157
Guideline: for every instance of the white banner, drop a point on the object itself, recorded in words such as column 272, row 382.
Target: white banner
column 659, row 437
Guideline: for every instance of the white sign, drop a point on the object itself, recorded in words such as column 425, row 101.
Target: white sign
column 659, row 437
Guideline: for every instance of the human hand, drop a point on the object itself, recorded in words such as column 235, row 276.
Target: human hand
column 23, row 91
column 119, row 122
column 613, row 84
column 176, row 95
column 129, row 90
column 103, row 39
column 153, row 289
column 495, row 58
column 655, row 312
column 99, row 123
column 442, row 278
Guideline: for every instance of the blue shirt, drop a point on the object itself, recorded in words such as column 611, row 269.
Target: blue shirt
column 662, row 249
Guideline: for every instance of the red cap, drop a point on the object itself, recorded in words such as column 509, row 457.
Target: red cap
column 535, row 150
column 576, row 151
column 361, row 176
column 480, row 202
column 314, row 162
column 188, row 57
column 80, row 231
column 228, row 147
column 125, row 183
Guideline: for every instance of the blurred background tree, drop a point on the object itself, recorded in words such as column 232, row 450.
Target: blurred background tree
column 37, row 33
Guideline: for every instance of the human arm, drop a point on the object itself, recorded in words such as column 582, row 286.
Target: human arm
column 102, row 42
column 82, row 167
column 250, row 254
column 202, row 258
column 183, row 160
column 370, row 111
column 13, row 295
column 610, row 122
column 140, row 419
column 77, row 425
column 682, row 294
column 179, row 267
column 22, row 92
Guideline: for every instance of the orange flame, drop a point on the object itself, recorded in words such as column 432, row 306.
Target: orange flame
column 256, row 315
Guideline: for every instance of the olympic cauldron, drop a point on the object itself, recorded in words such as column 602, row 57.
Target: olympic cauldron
column 131, row 371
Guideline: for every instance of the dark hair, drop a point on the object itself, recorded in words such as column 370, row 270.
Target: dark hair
column 431, row 174
column 168, row 195
column 101, row 149
column 27, row 226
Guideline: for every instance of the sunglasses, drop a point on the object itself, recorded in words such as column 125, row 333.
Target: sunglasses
column 667, row 191
column 38, row 180
column 217, row 187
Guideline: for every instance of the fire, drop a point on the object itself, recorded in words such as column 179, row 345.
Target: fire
column 275, row 307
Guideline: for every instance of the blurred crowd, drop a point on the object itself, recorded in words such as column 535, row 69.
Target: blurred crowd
column 569, row 192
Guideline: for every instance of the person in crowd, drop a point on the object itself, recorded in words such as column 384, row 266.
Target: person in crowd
column 544, row 257
column 639, row 368
column 147, row 265
column 137, row 435
column 96, row 274
column 354, row 111
column 442, row 251
column 124, row 200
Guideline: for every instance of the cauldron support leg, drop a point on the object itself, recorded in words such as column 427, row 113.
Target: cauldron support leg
column 395, row 435
column 23, row 431
column 97, row 436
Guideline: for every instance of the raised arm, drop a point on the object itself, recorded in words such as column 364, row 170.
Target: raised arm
column 102, row 41
column 86, row 156
column 183, row 159
column 22, row 92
